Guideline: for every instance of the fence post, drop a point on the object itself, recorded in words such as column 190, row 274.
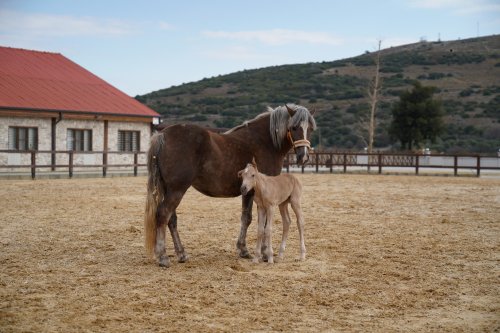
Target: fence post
column 104, row 163
column 379, row 163
column 135, row 163
column 478, row 166
column 331, row 163
column 455, row 165
column 317, row 162
column 416, row 163
column 70, row 169
column 345, row 162
column 288, row 163
column 33, row 164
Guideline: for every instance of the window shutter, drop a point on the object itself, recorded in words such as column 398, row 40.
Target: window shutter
column 12, row 138
column 71, row 140
column 32, row 138
column 87, row 140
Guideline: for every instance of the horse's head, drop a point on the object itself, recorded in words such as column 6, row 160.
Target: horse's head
column 248, row 176
column 300, row 127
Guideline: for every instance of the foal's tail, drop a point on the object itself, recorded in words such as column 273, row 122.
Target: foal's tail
column 155, row 191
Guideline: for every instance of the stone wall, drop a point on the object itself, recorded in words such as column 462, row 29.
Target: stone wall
column 79, row 158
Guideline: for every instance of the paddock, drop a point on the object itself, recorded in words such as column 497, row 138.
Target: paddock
column 384, row 253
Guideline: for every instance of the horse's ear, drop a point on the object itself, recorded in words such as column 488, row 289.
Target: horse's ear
column 314, row 111
column 290, row 111
column 240, row 173
column 254, row 163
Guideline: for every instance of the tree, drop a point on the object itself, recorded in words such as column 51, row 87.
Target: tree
column 365, row 128
column 416, row 117
column 373, row 94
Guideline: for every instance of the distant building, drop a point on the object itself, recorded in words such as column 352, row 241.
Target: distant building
column 49, row 103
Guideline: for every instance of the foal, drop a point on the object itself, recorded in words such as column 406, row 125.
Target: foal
column 270, row 192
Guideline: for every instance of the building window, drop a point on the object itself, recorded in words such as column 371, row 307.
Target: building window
column 23, row 138
column 129, row 141
column 79, row 140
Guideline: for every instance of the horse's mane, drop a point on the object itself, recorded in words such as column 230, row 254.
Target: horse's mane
column 245, row 124
column 280, row 121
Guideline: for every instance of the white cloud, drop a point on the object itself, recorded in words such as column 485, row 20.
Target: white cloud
column 14, row 22
column 461, row 7
column 237, row 53
column 277, row 36
column 165, row 26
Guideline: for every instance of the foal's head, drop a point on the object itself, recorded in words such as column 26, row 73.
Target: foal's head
column 248, row 176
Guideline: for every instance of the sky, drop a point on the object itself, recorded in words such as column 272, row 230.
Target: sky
column 148, row 45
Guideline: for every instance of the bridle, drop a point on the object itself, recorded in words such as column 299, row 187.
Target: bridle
column 298, row 143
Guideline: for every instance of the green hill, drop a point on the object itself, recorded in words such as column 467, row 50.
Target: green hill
column 466, row 73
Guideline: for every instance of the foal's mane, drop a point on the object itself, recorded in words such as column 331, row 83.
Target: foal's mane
column 280, row 121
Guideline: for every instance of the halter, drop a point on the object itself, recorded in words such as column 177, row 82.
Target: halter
column 298, row 143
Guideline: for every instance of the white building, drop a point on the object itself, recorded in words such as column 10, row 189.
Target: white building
column 51, row 106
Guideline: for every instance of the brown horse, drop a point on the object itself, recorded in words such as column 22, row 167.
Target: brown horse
column 181, row 156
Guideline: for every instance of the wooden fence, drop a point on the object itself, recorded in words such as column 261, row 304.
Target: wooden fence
column 322, row 161
column 318, row 162
column 104, row 165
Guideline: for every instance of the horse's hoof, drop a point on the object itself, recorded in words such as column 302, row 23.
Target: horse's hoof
column 245, row 255
column 183, row 258
column 163, row 262
column 255, row 260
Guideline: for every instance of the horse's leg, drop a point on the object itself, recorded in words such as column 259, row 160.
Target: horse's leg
column 269, row 234
column 261, row 222
column 162, row 216
column 300, row 223
column 285, row 217
column 166, row 216
column 246, row 219
column 179, row 249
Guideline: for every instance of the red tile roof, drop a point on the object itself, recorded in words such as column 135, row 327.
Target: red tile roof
column 49, row 81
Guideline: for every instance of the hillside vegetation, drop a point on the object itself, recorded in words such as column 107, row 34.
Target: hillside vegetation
column 465, row 72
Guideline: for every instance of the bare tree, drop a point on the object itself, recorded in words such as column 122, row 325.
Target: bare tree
column 373, row 93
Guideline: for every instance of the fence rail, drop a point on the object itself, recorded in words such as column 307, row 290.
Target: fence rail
column 322, row 161
column 318, row 162
column 71, row 165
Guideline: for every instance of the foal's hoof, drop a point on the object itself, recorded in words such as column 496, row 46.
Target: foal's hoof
column 183, row 258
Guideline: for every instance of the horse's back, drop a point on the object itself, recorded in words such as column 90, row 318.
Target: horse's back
column 210, row 161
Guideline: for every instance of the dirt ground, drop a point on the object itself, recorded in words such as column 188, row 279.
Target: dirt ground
column 385, row 254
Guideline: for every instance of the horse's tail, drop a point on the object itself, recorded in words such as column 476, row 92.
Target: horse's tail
column 155, row 191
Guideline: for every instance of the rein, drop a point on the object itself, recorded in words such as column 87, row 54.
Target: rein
column 298, row 143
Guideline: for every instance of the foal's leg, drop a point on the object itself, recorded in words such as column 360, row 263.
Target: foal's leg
column 179, row 249
column 261, row 222
column 285, row 217
column 246, row 219
column 295, row 202
column 269, row 234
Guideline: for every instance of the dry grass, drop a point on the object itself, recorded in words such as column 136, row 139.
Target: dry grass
column 385, row 253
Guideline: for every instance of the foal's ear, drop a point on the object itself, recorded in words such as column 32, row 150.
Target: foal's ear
column 254, row 163
column 240, row 173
